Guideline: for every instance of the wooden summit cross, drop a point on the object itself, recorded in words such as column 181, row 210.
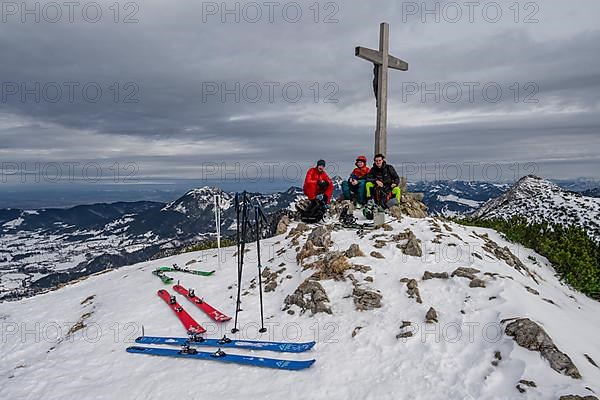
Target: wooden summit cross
column 382, row 61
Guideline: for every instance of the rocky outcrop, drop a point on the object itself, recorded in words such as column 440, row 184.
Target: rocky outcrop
column 356, row 330
column 310, row 295
column 318, row 242
column 504, row 254
column 477, row 283
column 409, row 243
column 412, row 289
column 354, row 251
column 282, row 225
column 497, row 358
column 298, row 230
column 331, row 265
column 366, row 299
column 431, row 316
column 532, row 291
column 321, row 237
column 380, row 244
column 465, row 272
column 531, row 336
column 434, row 275
column 338, row 206
column 309, row 250
column 411, row 204
column 591, row 360
column 270, row 279
column 405, row 333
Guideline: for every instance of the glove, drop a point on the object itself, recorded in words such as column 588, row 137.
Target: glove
column 323, row 185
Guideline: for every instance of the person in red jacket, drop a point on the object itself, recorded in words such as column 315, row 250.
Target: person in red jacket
column 317, row 182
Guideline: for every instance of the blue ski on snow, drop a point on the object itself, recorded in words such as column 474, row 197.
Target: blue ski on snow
column 292, row 365
column 229, row 343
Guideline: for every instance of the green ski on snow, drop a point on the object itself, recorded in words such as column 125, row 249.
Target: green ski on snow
column 164, row 278
column 188, row 271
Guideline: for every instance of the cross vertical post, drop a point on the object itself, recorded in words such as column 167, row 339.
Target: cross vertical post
column 382, row 76
column 382, row 61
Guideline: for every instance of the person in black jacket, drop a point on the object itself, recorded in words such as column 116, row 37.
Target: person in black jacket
column 383, row 183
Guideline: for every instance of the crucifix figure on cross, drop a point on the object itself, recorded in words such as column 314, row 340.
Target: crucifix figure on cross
column 382, row 61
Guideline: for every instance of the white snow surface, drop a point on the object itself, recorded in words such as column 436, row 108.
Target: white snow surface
column 456, row 199
column 448, row 360
column 13, row 223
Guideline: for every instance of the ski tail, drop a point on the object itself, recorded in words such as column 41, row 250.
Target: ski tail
column 164, row 278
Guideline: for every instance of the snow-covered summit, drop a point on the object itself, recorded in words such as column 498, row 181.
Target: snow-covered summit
column 540, row 200
column 423, row 309
column 199, row 199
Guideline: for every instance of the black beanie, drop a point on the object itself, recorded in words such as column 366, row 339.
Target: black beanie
column 321, row 162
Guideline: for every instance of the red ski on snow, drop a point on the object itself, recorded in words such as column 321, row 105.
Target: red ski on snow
column 188, row 322
column 204, row 306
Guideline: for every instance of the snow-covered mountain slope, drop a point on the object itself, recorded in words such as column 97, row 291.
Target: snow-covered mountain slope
column 451, row 198
column 70, row 343
column 43, row 248
column 540, row 200
column 592, row 192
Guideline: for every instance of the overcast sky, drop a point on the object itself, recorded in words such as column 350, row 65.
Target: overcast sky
column 163, row 110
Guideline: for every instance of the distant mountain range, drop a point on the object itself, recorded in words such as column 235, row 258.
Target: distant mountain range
column 42, row 248
column 451, row 198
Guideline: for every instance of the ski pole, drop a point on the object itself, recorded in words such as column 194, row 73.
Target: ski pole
column 258, row 232
column 239, row 272
column 217, row 207
column 241, row 251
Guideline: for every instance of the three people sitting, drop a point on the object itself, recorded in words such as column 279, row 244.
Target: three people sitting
column 378, row 186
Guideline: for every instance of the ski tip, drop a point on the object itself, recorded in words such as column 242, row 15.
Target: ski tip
column 135, row 349
column 300, row 365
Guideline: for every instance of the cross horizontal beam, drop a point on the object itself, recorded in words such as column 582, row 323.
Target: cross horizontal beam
column 375, row 57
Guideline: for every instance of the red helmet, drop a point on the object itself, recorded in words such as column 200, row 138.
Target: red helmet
column 361, row 158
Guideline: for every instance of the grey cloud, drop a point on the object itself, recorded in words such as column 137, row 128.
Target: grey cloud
column 170, row 53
